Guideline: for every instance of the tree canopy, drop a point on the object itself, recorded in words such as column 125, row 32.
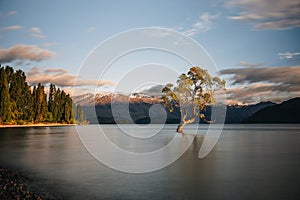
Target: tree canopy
column 194, row 91
column 21, row 103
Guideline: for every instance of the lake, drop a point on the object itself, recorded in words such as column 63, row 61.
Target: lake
column 248, row 162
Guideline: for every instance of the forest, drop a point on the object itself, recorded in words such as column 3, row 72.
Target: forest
column 21, row 103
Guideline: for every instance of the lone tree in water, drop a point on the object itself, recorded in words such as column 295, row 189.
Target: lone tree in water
column 194, row 91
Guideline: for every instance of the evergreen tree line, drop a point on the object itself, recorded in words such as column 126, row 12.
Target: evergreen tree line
column 20, row 103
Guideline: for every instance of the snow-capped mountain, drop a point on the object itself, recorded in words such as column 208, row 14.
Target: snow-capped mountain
column 103, row 98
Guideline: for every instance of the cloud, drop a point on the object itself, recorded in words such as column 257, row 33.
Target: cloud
column 246, row 64
column 38, row 36
column 12, row 28
column 257, row 92
column 60, row 77
column 204, row 23
column 282, row 74
column 58, row 71
column 49, row 44
column 91, row 29
column 12, row 12
column 263, row 84
column 288, row 55
column 158, row 33
column 72, row 91
column 154, row 90
column 36, row 32
column 24, row 52
column 284, row 24
column 268, row 14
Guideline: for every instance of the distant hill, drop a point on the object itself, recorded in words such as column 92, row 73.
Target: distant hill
column 139, row 105
column 84, row 99
column 237, row 114
column 286, row 112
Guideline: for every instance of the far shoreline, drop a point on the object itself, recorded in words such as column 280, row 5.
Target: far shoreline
column 35, row 125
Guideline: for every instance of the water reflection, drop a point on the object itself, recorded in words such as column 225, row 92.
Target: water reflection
column 248, row 162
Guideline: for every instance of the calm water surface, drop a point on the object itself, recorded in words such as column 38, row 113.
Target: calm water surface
column 248, row 162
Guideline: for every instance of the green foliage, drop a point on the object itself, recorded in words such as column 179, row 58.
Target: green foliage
column 5, row 105
column 51, row 104
column 18, row 88
column 40, row 104
column 193, row 92
column 18, row 104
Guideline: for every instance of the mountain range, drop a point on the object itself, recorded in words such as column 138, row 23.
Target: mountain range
column 286, row 112
column 113, row 108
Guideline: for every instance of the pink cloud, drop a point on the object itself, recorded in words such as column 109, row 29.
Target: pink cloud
column 24, row 52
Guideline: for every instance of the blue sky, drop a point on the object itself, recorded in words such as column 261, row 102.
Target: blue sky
column 242, row 37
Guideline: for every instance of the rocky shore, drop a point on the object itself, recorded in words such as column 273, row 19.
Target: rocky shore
column 14, row 185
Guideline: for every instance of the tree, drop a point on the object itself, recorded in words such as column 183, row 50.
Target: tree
column 67, row 108
column 40, row 103
column 5, row 105
column 19, row 104
column 29, row 109
column 57, row 104
column 18, row 88
column 51, row 104
column 194, row 91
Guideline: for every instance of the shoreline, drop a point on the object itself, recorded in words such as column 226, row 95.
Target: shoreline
column 16, row 185
column 35, row 125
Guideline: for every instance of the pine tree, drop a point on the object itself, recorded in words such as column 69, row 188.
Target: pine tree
column 18, row 90
column 68, row 115
column 51, row 104
column 45, row 113
column 63, row 110
column 18, row 103
column 29, row 109
column 36, row 104
column 9, row 72
column 5, row 106
column 40, row 104
column 56, row 110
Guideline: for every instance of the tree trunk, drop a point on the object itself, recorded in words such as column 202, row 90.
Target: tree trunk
column 180, row 128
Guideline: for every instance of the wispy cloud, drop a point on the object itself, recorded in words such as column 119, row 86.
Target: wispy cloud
column 36, row 32
column 12, row 12
column 155, row 90
column 256, row 92
column 49, row 44
column 283, row 24
column 55, row 70
column 91, row 29
column 268, row 14
column 12, row 28
column 204, row 23
column 281, row 74
column 24, row 52
column 263, row 83
column 61, row 77
column 288, row 55
column 38, row 36
column 246, row 64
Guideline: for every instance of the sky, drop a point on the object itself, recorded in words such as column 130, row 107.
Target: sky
column 253, row 43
